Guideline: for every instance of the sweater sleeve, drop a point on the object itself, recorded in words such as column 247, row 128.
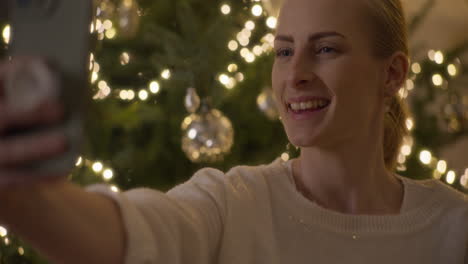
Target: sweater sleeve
column 183, row 225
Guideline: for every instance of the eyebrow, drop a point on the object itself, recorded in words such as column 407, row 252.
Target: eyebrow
column 313, row 37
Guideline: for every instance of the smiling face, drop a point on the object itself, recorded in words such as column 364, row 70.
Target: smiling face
column 327, row 82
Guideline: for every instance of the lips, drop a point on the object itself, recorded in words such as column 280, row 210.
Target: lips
column 309, row 103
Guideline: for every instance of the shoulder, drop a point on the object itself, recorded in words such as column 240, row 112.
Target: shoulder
column 241, row 179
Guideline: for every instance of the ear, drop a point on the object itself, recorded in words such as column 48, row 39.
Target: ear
column 396, row 73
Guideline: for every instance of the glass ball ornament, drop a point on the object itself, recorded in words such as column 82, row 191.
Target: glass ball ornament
column 266, row 104
column 207, row 136
column 128, row 18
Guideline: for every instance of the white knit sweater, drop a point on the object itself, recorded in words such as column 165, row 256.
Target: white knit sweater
column 254, row 215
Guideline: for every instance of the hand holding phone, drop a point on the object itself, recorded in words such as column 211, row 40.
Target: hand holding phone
column 50, row 57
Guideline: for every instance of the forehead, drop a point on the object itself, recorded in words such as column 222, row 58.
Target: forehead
column 309, row 16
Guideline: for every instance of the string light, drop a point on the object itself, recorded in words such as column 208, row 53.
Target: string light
column 97, row 167
column 271, row 22
column 124, row 58
column 416, row 68
column 285, row 156
column 452, row 70
column 257, row 10
column 6, row 34
column 166, row 74
column 437, row 79
column 439, row 57
column 21, row 251
column 232, row 45
column 143, row 95
column 250, row 25
column 425, row 156
column 154, row 87
column 232, row 67
column 450, row 178
column 442, row 166
column 224, row 79
column 225, row 9
column 108, row 174
column 3, row 231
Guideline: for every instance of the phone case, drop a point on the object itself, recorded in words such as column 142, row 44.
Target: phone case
column 59, row 32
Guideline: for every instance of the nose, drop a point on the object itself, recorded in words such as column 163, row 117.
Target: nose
column 301, row 71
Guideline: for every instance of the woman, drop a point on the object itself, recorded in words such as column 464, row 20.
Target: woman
column 338, row 67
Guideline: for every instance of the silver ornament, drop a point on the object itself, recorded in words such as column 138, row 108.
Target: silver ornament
column 266, row 104
column 129, row 18
column 207, row 136
column 192, row 100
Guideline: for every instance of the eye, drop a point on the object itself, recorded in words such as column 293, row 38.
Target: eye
column 326, row 50
column 285, row 52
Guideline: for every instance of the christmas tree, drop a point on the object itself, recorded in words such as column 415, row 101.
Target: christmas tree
column 180, row 85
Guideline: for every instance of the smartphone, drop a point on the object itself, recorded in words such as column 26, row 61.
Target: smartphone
column 57, row 31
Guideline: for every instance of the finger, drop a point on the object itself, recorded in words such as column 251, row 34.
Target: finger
column 22, row 149
column 47, row 113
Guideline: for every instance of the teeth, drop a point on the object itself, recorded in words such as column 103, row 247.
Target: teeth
column 309, row 105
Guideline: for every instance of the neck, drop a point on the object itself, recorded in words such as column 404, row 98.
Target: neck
column 351, row 179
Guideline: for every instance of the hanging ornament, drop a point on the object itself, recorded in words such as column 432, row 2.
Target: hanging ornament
column 192, row 100
column 129, row 18
column 105, row 10
column 266, row 104
column 207, row 135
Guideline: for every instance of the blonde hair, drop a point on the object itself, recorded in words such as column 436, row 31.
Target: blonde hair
column 389, row 36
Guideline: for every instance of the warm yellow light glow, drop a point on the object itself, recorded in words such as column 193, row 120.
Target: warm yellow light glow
column 250, row 25
column 450, row 178
column 257, row 10
column 271, row 22
column 21, row 251
column 225, row 9
column 108, row 174
column 437, row 80
column 94, row 77
column 154, row 87
column 130, row 95
column 250, row 57
column 409, row 124
column 431, row 55
column 114, row 188
column 6, row 34
column 239, row 77
column 143, row 95
column 406, row 150
column 425, row 157
column 3, row 231
column 124, row 58
column 97, row 167
column 111, row 33
column 452, row 70
column 79, row 161
column 442, row 166
column 244, row 52
column 232, row 45
column 231, row 83
column 439, row 57
column 285, row 156
column 102, row 85
column 224, row 79
column 232, row 67
column 416, row 68
column 244, row 41
column 107, row 24
column 257, row 50
column 166, row 74
column 123, row 95
column 409, row 85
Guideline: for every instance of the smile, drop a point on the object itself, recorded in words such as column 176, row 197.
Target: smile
column 308, row 106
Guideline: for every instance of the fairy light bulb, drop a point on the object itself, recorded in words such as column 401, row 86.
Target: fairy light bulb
column 166, row 74
column 437, row 79
column 439, row 57
column 225, row 9
column 450, row 178
column 6, row 33
column 232, row 45
column 108, row 174
column 250, row 25
column 416, row 68
column 224, row 79
column 143, row 95
column 442, row 166
column 257, row 10
column 154, row 87
column 271, row 22
column 97, row 167
column 425, row 157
